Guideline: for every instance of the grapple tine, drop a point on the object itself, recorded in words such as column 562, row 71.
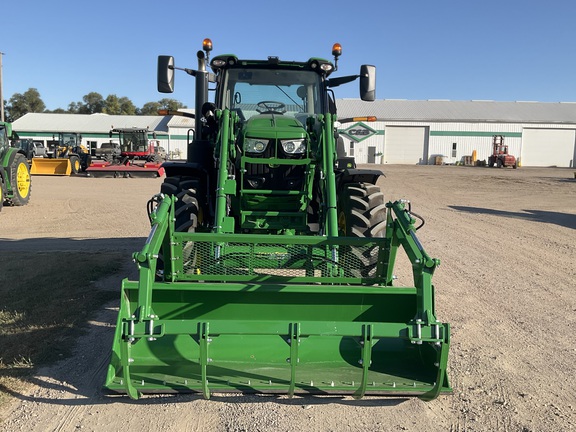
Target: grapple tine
column 365, row 361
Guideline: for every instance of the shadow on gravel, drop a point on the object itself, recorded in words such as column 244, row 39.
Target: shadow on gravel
column 94, row 396
column 566, row 180
column 49, row 244
column 309, row 400
column 562, row 219
column 78, row 380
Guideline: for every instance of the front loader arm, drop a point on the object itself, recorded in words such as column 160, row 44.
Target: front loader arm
column 327, row 148
column 226, row 184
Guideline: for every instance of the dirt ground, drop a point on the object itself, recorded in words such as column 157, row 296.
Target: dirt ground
column 507, row 286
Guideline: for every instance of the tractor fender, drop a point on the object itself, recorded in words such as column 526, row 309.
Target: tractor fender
column 3, row 180
column 9, row 156
column 185, row 168
column 357, row 175
column 6, row 164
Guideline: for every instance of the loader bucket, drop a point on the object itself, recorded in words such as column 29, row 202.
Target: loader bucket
column 49, row 166
column 277, row 314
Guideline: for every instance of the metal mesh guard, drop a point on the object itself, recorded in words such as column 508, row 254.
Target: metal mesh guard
column 254, row 260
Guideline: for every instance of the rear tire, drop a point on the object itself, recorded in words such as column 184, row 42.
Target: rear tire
column 20, row 180
column 86, row 162
column 362, row 213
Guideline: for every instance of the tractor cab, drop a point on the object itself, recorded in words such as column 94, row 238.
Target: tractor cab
column 279, row 108
column 4, row 142
column 134, row 144
column 275, row 158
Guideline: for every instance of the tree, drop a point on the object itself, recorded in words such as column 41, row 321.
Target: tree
column 150, row 108
column 28, row 102
column 112, row 105
column 93, row 103
column 126, row 106
column 171, row 104
column 74, row 107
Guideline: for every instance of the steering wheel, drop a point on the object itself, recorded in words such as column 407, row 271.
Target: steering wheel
column 274, row 107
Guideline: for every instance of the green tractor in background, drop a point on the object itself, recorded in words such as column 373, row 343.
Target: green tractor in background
column 15, row 183
column 270, row 264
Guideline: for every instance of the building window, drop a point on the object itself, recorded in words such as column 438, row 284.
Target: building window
column 453, row 150
column 351, row 148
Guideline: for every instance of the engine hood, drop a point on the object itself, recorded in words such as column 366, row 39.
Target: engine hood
column 274, row 126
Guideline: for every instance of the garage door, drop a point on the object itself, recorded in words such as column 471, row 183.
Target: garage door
column 406, row 145
column 548, row 147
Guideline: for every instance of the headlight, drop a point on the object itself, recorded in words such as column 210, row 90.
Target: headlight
column 254, row 145
column 294, row 146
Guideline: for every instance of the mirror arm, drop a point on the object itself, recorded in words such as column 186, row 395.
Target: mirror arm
column 211, row 76
column 335, row 82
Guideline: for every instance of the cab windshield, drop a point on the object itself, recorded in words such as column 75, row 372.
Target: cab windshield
column 68, row 139
column 251, row 92
column 133, row 141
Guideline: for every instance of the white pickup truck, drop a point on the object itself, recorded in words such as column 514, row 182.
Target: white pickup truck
column 30, row 147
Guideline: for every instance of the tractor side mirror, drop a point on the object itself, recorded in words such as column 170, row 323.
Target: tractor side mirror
column 165, row 74
column 368, row 83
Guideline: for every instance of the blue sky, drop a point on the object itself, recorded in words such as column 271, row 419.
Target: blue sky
column 423, row 49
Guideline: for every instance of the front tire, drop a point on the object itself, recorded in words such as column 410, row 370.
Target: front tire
column 187, row 211
column 188, row 215
column 362, row 213
column 75, row 163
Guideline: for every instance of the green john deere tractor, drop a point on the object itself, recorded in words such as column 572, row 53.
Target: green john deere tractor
column 15, row 184
column 270, row 264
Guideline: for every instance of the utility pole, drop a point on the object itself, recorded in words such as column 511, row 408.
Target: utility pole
column 1, row 94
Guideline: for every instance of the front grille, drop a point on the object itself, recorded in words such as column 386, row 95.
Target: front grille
column 281, row 177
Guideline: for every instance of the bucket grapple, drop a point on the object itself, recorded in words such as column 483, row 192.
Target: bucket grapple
column 269, row 269
column 279, row 314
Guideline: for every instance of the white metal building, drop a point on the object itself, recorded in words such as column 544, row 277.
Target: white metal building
column 415, row 132
column 171, row 131
column 406, row 132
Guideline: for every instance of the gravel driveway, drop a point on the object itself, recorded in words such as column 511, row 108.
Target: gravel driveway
column 507, row 284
